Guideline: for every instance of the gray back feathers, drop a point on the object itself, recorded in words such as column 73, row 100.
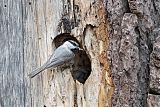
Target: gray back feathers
column 60, row 56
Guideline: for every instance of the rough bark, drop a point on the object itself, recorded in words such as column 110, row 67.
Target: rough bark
column 155, row 68
column 132, row 31
column 153, row 100
column 120, row 38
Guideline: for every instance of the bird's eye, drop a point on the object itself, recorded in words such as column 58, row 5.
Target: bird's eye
column 74, row 50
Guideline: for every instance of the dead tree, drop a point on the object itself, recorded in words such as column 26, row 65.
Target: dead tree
column 121, row 58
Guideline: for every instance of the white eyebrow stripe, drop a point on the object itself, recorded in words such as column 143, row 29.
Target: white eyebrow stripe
column 73, row 43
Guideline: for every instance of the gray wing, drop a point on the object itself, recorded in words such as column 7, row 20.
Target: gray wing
column 59, row 57
column 37, row 71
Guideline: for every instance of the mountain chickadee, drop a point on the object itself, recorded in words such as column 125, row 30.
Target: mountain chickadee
column 61, row 55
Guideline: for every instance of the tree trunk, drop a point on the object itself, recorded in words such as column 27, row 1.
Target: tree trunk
column 121, row 43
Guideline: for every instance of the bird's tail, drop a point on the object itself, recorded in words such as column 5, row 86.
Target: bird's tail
column 37, row 71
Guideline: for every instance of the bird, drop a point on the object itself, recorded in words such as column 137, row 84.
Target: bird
column 63, row 54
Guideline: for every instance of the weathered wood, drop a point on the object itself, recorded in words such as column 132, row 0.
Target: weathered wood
column 12, row 88
column 116, row 35
column 46, row 19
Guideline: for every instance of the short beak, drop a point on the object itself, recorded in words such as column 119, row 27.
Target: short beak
column 80, row 49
